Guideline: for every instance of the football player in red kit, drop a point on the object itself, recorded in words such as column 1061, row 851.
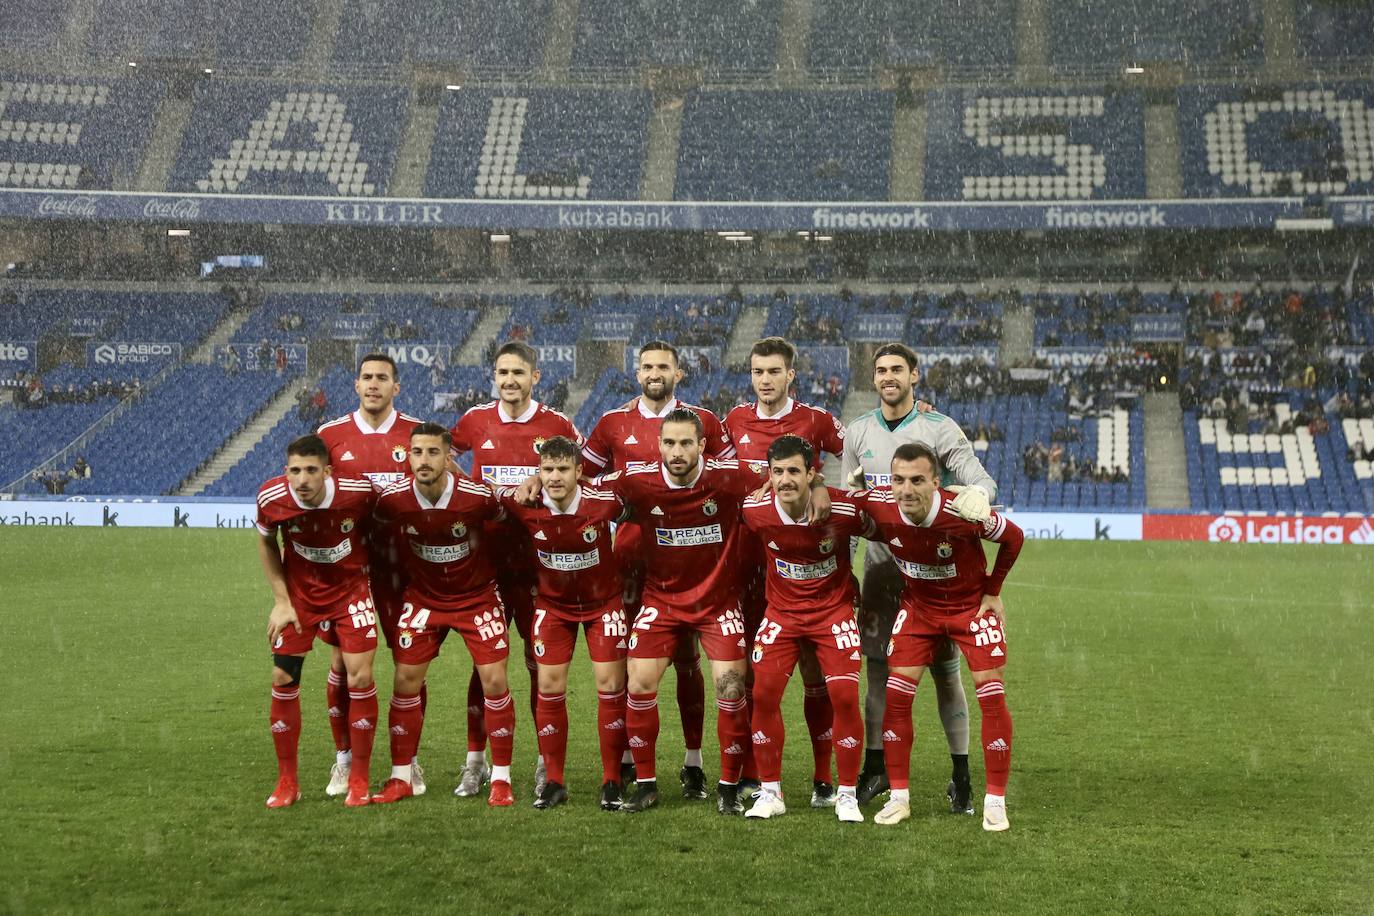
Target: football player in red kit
column 318, row 576
column 626, row 438
column 752, row 428
column 810, row 603
column 442, row 519
column 370, row 442
column 948, row 593
column 579, row 589
column 503, row 437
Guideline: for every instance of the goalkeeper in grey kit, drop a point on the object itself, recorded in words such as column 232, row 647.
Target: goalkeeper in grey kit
column 869, row 443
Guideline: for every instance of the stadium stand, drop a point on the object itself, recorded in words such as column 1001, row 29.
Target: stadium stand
column 30, row 25
column 1110, row 33
column 540, row 143
column 1280, row 141
column 248, row 137
column 232, row 30
column 1096, row 319
column 857, row 35
column 61, row 133
column 984, row 145
column 785, row 145
column 720, row 35
column 1334, row 29
column 506, row 35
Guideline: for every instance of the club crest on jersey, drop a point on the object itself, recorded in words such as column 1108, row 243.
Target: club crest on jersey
column 634, row 640
column 826, row 545
column 539, row 648
column 589, row 534
column 459, row 530
column 405, row 640
column 538, row 444
column 398, row 453
column 710, row 507
column 346, row 526
column 944, row 550
column 757, row 654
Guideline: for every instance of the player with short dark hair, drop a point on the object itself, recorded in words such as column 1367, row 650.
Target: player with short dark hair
column 318, row 576
column 948, row 594
column 370, row 442
column 579, row 588
column 868, row 447
column 810, row 602
column 627, row 438
column 504, row 436
column 752, row 428
column 441, row 519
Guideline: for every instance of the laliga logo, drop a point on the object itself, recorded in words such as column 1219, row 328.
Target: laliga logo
column 82, row 205
column 186, row 208
column 1224, row 528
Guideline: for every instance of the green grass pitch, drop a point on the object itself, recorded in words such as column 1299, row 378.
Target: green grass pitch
column 1193, row 734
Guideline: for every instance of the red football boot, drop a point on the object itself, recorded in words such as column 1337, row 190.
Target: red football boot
column 501, row 795
column 393, row 791
column 358, row 794
column 285, row 794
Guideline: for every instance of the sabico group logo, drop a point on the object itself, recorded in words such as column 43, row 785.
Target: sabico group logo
column 117, row 353
column 1224, row 528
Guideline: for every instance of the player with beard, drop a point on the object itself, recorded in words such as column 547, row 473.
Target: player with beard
column 869, row 444
column 752, row 429
column 503, row 437
column 627, row 438
column 371, row 442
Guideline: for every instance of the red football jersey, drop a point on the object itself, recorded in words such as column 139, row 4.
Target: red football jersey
column 506, row 451
column 752, row 433
column 690, row 535
column 628, row 437
column 324, row 547
column 444, row 550
column 808, row 566
column 941, row 559
column 572, row 550
column 382, row 455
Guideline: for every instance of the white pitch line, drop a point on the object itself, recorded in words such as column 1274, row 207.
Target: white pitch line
column 1243, row 599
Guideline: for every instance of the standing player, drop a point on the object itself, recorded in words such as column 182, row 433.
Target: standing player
column 579, row 588
column 811, row 597
column 440, row 518
column 627, row 438
column 370, row 442
column 868, row 447
column 504, row 438
column 318, row 576
column 752, row 428
column 948, row 595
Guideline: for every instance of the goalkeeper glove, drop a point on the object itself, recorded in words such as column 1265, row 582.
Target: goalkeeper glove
column 971, row 503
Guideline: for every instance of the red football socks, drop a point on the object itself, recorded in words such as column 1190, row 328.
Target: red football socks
column 641, row 726
column 551, row 720
column 992, row 699
column 284, row 718
column 500, row 727
column 897, row 730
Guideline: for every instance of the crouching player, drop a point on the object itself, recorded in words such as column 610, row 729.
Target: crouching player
column 318, row 576
column 440, row 517
column 579, row 588
column 810, row 602
column 947, row 593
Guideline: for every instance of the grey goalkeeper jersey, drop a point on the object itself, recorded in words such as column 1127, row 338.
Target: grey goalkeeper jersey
column 869, row 444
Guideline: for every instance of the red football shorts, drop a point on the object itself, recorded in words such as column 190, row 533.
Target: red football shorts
column 916, row 637
column 555, row 634
column 660, row 629
column 424, row 624
column 351, row 625
column 833, row 632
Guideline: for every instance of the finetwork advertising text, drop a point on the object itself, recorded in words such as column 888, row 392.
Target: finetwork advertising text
column 826, row 218
column 1104, row 218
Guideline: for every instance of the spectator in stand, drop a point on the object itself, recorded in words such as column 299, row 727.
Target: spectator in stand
column 1054, row 465
column 81, row 470
column 280, row 357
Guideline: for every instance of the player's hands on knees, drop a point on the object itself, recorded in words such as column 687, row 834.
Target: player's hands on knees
column 283, row 615
column 991, row 604
column 819, row 509
column 528, row 493
column 971, row 503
